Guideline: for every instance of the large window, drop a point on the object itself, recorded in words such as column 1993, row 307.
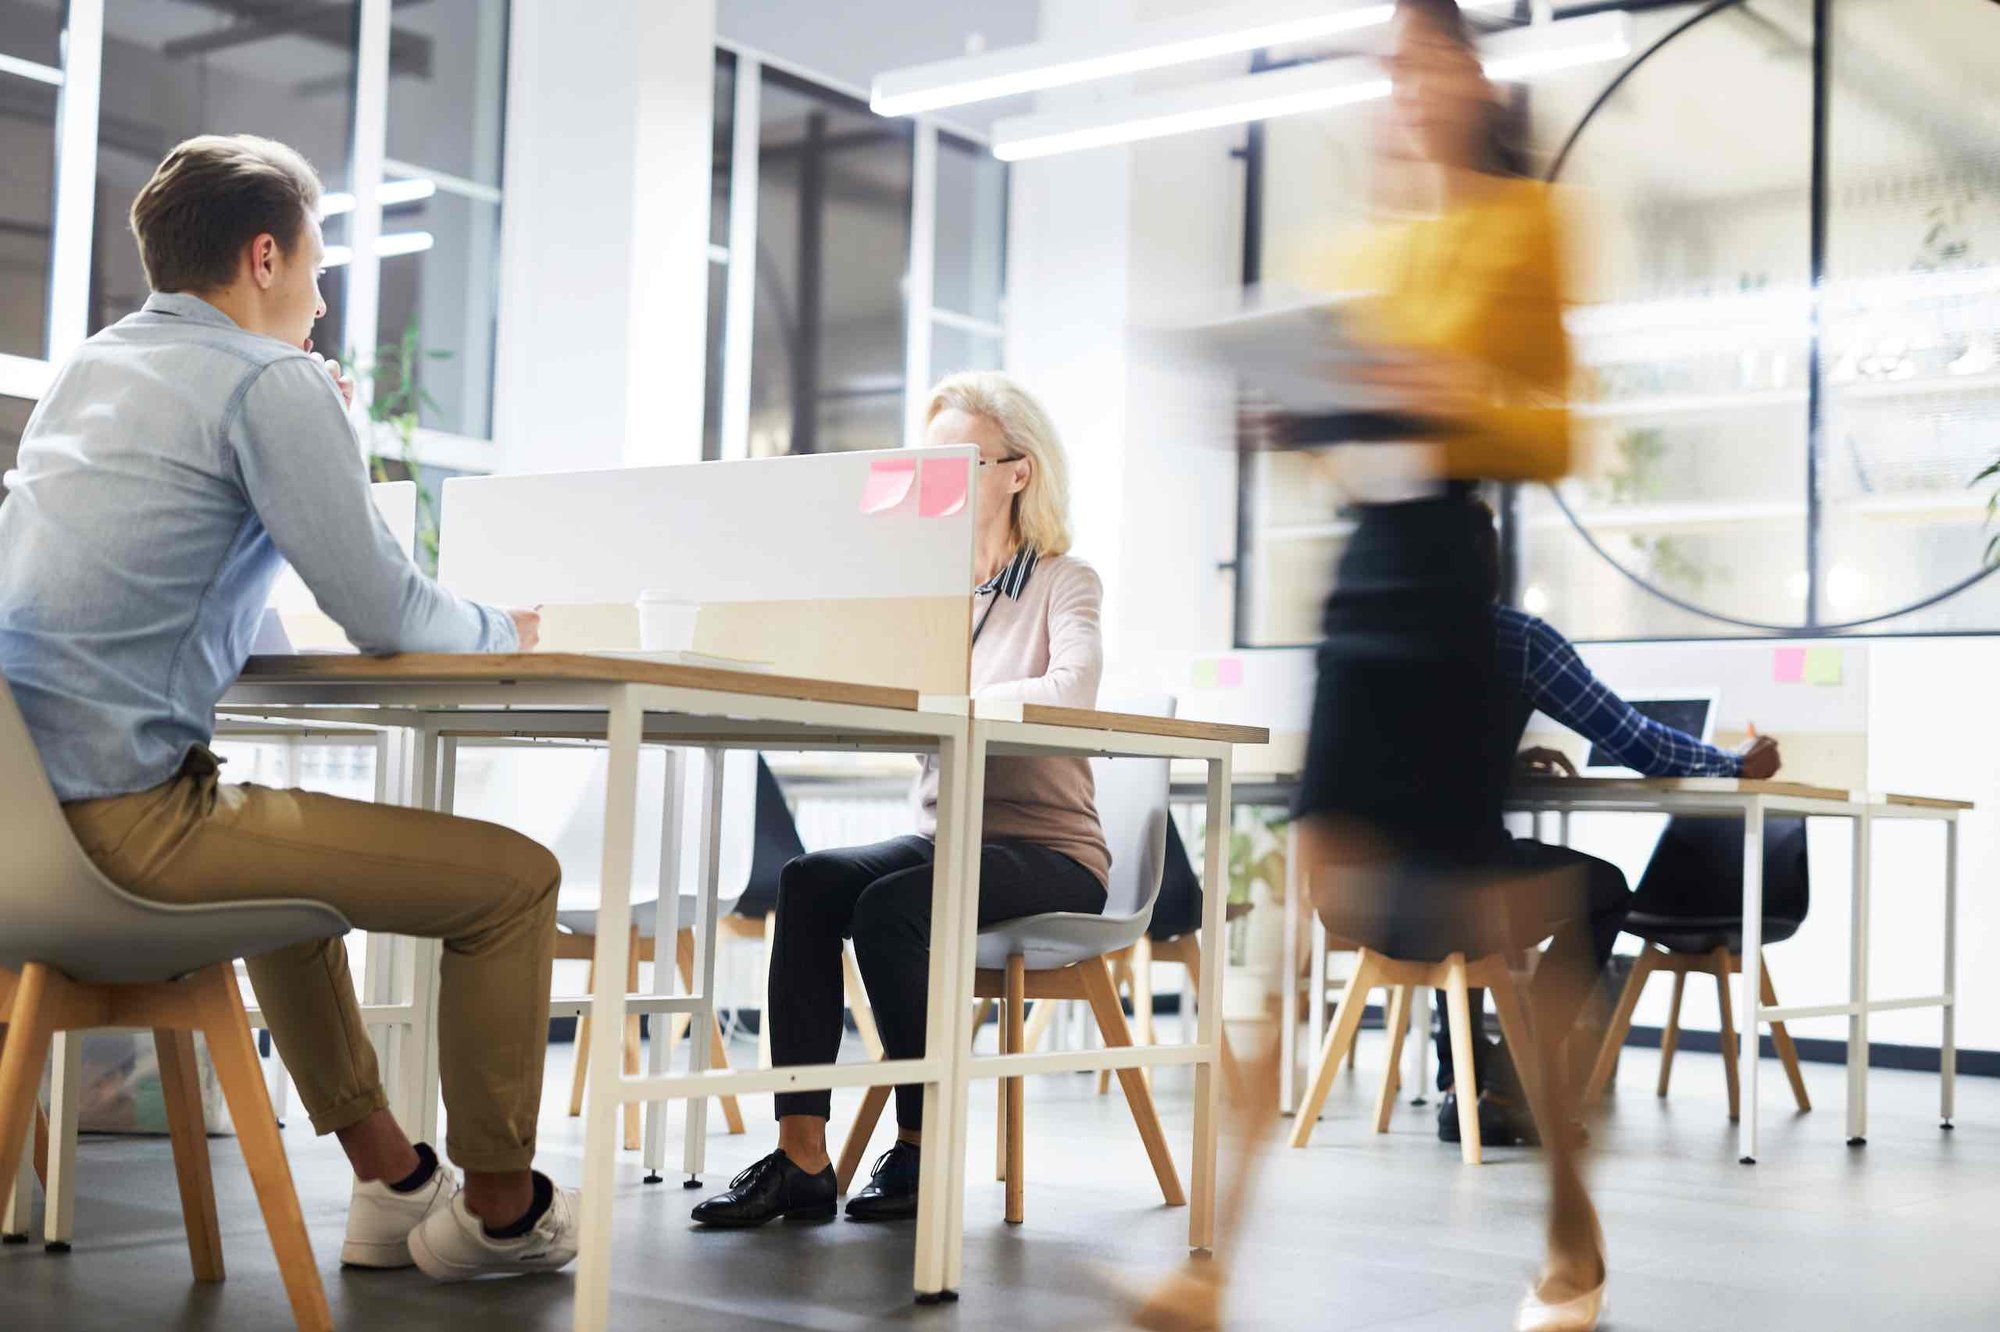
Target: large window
column 99, row 91
column 30, row 83
column 1788, row 363
column 853, row 261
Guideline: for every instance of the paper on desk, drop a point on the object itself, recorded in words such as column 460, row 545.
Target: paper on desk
column 942, row 488
column 890, row 481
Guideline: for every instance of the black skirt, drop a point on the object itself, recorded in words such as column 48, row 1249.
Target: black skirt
column 1409, row 714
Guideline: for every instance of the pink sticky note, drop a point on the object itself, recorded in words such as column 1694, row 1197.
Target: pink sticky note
column 941, row 490
column 1788, row 665
column 889, row 484
column 1229, row 672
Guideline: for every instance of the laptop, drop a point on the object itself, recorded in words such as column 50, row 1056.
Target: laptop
column 1692, row 712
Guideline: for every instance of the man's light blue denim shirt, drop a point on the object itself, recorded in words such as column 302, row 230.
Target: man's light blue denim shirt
column 174, row 466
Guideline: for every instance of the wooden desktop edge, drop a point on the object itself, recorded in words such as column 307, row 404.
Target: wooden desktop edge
column 502, row 667
column 1587, row 786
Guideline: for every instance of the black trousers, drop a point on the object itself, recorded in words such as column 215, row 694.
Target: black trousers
column 880, row 896
column 1607, row 900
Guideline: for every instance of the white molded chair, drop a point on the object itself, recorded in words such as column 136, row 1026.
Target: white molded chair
column 580, row 847
column 1061, row 955
column 78, row 952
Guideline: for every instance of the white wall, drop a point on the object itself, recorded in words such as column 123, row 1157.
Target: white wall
column 604, row 309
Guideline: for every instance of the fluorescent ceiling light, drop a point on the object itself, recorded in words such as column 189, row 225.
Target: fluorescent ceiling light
column 1124, row 49
column 28, row 69
column 1518, row 53
column 386, row 247
column 389, row 194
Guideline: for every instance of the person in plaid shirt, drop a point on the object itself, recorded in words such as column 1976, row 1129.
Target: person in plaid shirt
column 1548, row 675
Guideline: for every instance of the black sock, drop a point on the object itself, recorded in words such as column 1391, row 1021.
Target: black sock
column 545, row 1194
column 427, row 1164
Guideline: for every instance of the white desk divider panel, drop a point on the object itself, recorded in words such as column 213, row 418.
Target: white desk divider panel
column 1268, row 687
column 846, row 566
column 306, row 625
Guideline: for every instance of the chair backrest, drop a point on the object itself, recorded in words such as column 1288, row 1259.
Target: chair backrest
column 580, row 845
column 1696, row 872
column 777, row 844
column 58, row 909
column 1132, row 807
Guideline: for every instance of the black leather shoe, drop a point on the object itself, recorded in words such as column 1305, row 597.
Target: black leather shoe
column 769, row 1189
column 891, row 1194
column 1501, row 1124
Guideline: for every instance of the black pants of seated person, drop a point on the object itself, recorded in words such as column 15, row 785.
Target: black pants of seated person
column 1607, row 900
column 880, row 896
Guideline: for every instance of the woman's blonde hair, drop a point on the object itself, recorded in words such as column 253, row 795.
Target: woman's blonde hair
column 1041, row 511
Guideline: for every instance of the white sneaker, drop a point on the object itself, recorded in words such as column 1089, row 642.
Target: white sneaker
column 452, row 1244
column 379, row 1219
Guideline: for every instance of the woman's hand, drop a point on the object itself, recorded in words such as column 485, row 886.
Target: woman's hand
column 1433, row 384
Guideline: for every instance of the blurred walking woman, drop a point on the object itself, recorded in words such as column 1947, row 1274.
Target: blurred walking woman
column 1408, row 758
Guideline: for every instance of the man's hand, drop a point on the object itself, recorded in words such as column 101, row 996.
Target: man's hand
column 1540, row 762
column 341, row 379
column 527, row 627
column 1760, row 758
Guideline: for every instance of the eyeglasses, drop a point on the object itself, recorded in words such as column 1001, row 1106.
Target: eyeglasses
column 1002, row 462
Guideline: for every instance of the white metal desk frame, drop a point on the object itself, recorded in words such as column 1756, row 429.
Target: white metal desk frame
column 725, row 720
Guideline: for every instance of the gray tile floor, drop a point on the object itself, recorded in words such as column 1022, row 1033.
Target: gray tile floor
column 1357, row 1232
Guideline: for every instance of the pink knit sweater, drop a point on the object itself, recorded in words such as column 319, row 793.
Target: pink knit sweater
column 1042, row 647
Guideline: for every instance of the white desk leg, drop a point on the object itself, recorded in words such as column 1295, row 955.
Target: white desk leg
column 378, row 976
column 20, row 1195
column 1420, row 1046
column 948, row 1011
column 1317, row 981
column 1208, row 1028
column 437, row 777
column 607, row 1009
column 1750, row 1031
column 1857, row 986
column 666, row 939
column 1948, row 1050
column 696, row 1110
column 65, row 1092
column 1288, row 980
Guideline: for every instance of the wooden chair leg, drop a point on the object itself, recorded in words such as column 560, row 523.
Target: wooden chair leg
column 22, row 1057
column 633, row 1109
column 1040, row 1017
column 1670, row 1039
column 857, row 1004
column 1111, row 1024
column 718, row 1054
column 227, row 1030
column 1392, row 1075
column 865, row 1120
column 1011, row 1133
column 1719, row 960
column 1621, row 1026
column 180, row 1089
column 1464, row 1073
column 1120, row 965
column 582, row 1073
column 980, row 1013
column 1788, row 1053
column 1346, row 1023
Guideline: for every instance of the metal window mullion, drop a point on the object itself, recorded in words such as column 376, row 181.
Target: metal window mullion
column 371, row 129
column 739, row 310
column 1816, row 344
column 922, row 283
column 76, row 178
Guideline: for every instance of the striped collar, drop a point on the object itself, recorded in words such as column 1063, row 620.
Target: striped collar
column 1013, row 576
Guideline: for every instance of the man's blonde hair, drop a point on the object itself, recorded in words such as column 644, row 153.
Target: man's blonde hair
column 212, row 196
column 1041, row 512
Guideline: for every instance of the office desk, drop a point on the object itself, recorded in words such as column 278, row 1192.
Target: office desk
column 1752, row 801
column 437, row 700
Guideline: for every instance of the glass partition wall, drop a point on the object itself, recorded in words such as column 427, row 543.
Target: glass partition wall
column 1785, row 254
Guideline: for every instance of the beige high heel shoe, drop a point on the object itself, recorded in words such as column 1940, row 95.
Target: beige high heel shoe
column 1574, row 1315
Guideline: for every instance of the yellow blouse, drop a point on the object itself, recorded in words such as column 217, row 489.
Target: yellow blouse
column 1482, row 281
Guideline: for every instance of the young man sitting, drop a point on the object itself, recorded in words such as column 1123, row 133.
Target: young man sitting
column 179, row 460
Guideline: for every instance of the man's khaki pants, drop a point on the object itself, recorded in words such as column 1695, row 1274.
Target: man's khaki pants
column 489, row 893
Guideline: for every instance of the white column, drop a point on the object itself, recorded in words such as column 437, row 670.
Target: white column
column 920, row 284
column 604, row 306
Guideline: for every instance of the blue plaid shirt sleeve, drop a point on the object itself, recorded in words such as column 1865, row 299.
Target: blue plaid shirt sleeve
column 1549, row 673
